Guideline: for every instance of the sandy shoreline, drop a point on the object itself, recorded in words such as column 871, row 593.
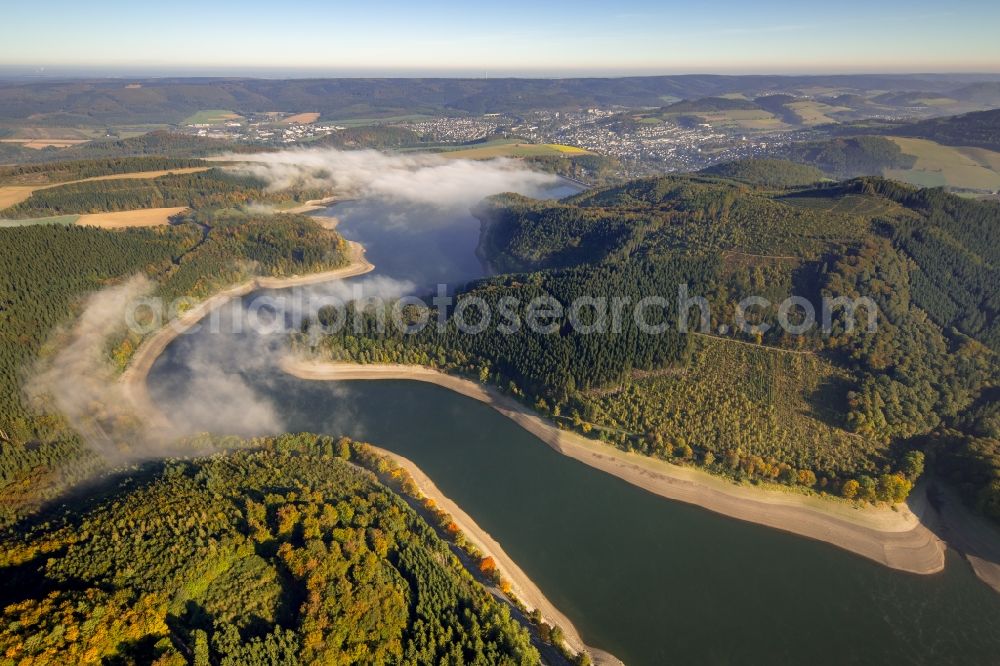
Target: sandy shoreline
column 313, row 204
column 521, row 585
column 895, row 538
column 972, row 535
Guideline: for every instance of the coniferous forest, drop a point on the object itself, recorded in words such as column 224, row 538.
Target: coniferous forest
column 284, row 550
column 842, row 411
column 49, row 269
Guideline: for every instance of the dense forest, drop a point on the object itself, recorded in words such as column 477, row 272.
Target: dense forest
column 686, row 214
column 592, row 169
column 841, row 410
column 159, row 142
column 769, row 173
column 59, row 172
column 283, row 551
column 550, row 366
column 849, row 157
column 378, row 137
column 152, row 144
column 48, row 269
column 980, row 128
column 203, row 189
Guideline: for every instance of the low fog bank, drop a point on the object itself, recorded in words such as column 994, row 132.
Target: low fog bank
column 80, row 383
column 422, row 178
column 221, row 366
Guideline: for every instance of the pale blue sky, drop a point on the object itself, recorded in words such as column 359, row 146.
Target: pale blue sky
column 512, row 36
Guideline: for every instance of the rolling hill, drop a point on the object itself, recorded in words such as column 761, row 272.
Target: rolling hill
column 854, row 415
column 171, row 100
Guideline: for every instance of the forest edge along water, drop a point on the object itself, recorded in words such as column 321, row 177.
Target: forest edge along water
column 894, row 538
column 620, row 562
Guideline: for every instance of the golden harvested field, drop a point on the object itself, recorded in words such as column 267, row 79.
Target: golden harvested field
column 515, row 150
column 951, row 166
column 988, row 158
column 302, row 118
column 935, row 101
column 147, row 217
column 38, row 144
column 11, row 195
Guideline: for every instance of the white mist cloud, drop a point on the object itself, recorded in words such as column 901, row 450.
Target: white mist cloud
column 424, row 179
column 79, row 383
column 79, row 380
column 227, row 360
column 216, row 394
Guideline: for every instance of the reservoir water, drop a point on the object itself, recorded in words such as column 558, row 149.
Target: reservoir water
column 650, row 580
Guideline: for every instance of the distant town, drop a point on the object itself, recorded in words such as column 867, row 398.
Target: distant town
column 641, row 148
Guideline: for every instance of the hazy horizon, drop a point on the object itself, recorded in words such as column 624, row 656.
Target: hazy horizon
column 636, row 37
column 154, row 72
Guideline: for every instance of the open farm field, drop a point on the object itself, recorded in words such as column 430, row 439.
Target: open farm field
column 815, row 113
column 303, row 118
column 38, row 144
column 515, row 150
column 211, row 117
column 148, row 217
column 938, row 165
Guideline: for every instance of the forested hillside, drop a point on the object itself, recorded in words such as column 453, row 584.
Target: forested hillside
column 377, row 137
column 196, row 190
column 592, row 169
column 653, row 216
column 165, row 100
column 59, row 172
column 156, row 143
column 46, row 270
column 980, row 128
column 843, row 410
column 770, row 173
column 849, row 157
column 281, row 551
